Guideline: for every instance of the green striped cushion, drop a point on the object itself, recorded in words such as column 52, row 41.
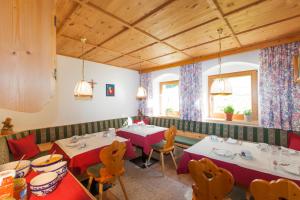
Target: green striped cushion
column 248, row 133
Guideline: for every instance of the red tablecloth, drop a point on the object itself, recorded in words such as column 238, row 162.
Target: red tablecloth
column 78, row 164
column 242, row 176
column 144, row 142
column 68, row 189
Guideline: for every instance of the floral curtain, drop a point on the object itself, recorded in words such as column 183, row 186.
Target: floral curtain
column 190, row 84
column 279, row 94
column 145, row 106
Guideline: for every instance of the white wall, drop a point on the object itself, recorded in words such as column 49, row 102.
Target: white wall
column 64, row 109
column 233, row 63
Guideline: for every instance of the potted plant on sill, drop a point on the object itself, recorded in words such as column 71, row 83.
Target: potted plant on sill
column 229, row 110
column 248, row 115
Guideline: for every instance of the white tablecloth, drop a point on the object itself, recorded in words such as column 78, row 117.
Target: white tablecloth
column 92, row 141
column 143, row 130
column 263, row 161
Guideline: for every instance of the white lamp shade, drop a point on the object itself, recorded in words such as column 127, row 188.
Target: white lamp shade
column 141, row 93
column 221, row 87
column 83, row 89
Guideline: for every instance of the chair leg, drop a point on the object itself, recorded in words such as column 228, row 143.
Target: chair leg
column 100, row 191
column 173, row 159
column 162, row 163
column 123, row 187
column 149, row 158
column 90, row 183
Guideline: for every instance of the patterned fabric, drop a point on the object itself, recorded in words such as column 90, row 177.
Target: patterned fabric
column 247, row 133
column 4, row 152
column 190, row 84
column 279, row 95
column 146, row 105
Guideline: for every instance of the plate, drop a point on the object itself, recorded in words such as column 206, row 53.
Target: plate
column 231, row 141
column 290, row 168
column 213, row 138
column 292, row 151
column 223, row 152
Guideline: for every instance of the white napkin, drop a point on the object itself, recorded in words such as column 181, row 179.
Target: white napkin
column 231, row 141
column 291, row 168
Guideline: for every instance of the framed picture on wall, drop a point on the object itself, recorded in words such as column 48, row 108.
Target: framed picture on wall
column 110, row 90
column 297, row 68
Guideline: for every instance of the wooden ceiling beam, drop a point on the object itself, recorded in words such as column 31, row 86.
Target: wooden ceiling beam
column 244, row 7
column 260, row 45
column 269, row 24
column 95, row 47
column 124, row 23
column 215, row 6
column 67, row 19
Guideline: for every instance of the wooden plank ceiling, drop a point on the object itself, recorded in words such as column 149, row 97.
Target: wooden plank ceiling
column 154, row 34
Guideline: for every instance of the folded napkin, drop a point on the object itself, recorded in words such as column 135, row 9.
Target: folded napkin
column 231, row 141
column 291, row 168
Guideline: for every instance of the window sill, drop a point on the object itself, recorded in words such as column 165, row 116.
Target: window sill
column 235, row 122
column 169, row 117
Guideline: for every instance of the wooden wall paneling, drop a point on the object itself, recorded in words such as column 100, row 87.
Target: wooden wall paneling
column 124, row 61
column 128, row 41
column 273, row 31
column 228, row 6
column 264, row 13
column 27, row 52
column 169, row 58
column 101, row 55
column 64, row 9
column 200, row 35
column 130, row 12
column 70, row 47
column 211, row 47
column 153, row 51
column 176, row 17
column 94, row 26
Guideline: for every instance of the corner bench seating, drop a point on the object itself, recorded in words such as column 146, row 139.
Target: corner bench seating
column 190, row 132
column 46, row 136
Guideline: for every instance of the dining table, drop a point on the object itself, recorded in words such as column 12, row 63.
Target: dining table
column 246, row 161
column 142, row 136
column 69, row 188
column 83, row 151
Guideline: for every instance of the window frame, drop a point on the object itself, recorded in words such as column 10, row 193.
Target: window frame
column 161, row 84
column 254, row 94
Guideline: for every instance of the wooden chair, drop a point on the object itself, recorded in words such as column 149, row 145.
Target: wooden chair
column 111, row 168
column 211, row 182
column 165, row 147
column 280, row 189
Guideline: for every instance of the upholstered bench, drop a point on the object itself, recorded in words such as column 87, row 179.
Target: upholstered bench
column 46, row 136
column 185, row 142
column 241, row 132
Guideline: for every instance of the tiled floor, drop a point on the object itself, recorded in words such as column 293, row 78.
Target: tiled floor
column 149, row 184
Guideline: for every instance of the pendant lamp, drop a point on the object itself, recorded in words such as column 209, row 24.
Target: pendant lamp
column 141, row 92
column 220, row 86
column 83, row 88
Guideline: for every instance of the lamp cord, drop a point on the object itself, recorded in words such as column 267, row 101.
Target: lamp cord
column 82, row 50
column 220, row 48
